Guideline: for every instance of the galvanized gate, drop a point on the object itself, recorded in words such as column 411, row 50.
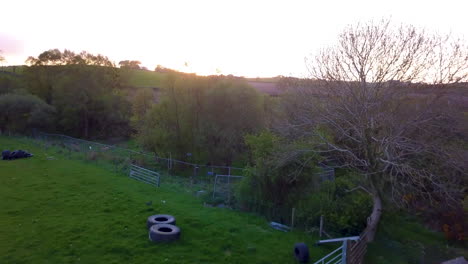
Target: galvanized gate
column 144, row 175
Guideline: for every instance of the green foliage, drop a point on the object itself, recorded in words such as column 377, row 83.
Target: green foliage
column 277, row 177
column 21, row 113
column 262, row 146
column 344, row 212
column 83, row 88
column 141, row 103
column 87, row 98
column 10, row 83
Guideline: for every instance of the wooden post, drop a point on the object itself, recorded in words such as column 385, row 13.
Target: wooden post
column 292, row 217
column 170, row 160
column 195, row 169
column 214, row 187
column 321, row 226
column 168, row 165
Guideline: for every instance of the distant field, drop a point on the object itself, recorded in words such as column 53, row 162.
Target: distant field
column 16, row 69
column 55, row 210
column 270, row 88
column 264, row 79
column 142, row 78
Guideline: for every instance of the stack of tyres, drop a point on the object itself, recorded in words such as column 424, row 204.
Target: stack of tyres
column 162, row 228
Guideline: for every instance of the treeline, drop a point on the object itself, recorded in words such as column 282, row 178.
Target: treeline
column 81, row 92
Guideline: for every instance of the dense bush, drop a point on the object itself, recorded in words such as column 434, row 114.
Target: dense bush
column 20, row 113
column 10, row 83
column 277, row 178
column 344, row 212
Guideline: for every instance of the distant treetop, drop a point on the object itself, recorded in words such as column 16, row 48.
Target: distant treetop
column 132, row 64
column 67, row 57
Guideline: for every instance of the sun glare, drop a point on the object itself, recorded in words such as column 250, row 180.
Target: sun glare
column 247, row 38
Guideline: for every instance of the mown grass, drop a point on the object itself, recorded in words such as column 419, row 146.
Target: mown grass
column 57, row 210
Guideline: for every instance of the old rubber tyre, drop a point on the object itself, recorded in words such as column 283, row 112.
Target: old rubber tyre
column 301, row 252
column 14, row 155
column 164, row 233
column 160, row 219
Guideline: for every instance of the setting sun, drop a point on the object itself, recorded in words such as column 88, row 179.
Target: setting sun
column 244, row 38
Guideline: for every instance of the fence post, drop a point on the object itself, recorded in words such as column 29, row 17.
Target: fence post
column 195, row 169
column 229, row 185
column 321, row 226
column 292, row 217
column 214, row 187
column 343, row 256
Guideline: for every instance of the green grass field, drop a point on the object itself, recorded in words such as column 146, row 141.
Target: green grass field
column 142, row 78
column 55, row 210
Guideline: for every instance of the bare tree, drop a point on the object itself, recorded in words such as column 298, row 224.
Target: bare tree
column 360, row 111
column 2, row 59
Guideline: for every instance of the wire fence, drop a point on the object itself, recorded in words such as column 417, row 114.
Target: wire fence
column 216, row 185
column 198, row 177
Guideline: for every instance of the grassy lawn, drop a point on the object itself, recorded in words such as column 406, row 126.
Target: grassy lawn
column 402, row 239
column 55, row 210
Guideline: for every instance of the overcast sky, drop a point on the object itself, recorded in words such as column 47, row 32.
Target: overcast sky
column 247, row 38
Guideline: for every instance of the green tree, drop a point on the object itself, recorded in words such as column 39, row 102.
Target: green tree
column 88, row 103
column 141, row 103
column 86, row 89
column 131, row 64
column 230, row 110
column 11, row 83
column 67, row 57
column 276, row 177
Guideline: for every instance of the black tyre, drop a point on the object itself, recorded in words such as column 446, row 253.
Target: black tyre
column 20, row 154
column 6, row 155
column 164, row 233
column 160, row 219
column 13, row 155
column 301, row 252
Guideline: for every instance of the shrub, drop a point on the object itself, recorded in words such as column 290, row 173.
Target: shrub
column 21, row 113
column 344, row 212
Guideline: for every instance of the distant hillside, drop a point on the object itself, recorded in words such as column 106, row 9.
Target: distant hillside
column 270, row 88
column 144, row 78
column 19, row 69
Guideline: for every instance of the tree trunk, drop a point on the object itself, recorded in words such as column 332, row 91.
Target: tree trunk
column 374, row 218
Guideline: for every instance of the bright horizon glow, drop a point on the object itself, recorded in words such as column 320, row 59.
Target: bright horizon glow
column 243, row 38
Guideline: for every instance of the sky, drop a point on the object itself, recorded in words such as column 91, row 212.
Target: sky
column 246, row 38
